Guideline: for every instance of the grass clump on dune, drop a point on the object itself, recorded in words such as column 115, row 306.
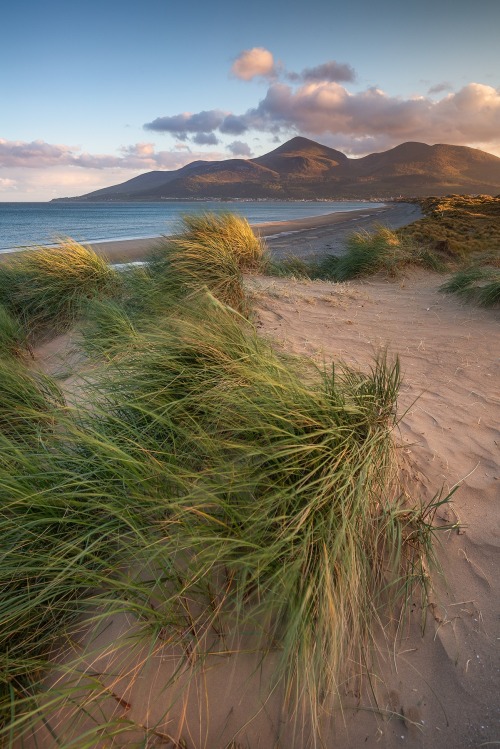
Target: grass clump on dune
column 46, row 287
column 200, row 465
column 27, row 401
column 210, row 251
column 381, row 251
column 76, row 512
column 477, row 284
column 289, row 485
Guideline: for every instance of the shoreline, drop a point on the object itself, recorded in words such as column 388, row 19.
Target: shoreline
column 303, row 237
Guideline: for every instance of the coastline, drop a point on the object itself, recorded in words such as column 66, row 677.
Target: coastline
column 302, row 237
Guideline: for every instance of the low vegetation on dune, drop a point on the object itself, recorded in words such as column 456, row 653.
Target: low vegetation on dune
column 382, row 251
column 207, row 489
column 45, row 288
column 464, row 231
column 459, row 233
column 477, row 284
column 12, row 334
column 458, row 227
column 210, row 251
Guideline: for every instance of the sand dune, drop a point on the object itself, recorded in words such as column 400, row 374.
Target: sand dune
column 431, row 689
column 447, row 681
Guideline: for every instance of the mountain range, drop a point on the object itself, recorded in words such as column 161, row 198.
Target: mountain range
column 304, row 169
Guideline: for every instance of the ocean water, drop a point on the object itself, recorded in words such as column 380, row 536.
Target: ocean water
column 27, row 224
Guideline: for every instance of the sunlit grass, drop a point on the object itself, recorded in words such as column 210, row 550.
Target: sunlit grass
column 46, row 287
column 210, row 251
column 205, row 482
column 381, row 251
column 13, row 340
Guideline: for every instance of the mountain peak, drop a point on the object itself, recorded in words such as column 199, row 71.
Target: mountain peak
column 303, row 169
column 306, row 147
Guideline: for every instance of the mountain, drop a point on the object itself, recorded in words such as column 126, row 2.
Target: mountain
column 304, row 169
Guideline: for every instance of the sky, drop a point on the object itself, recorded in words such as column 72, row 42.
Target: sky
column 97, row 92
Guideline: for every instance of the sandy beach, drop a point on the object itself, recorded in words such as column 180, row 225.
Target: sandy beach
column 303, row 237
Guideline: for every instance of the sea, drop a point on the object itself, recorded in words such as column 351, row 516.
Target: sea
column 40, row 224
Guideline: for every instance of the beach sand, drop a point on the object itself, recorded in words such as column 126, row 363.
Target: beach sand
column 448, row 680
column 427, row 691
column 303, row 237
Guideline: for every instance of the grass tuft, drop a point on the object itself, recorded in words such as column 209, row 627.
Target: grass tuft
column 46, row 287
column 382, row 251
column 210, row 251
column 290, row 488
column 477, row 284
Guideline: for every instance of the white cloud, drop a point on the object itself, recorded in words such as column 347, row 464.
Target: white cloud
column 254, row 63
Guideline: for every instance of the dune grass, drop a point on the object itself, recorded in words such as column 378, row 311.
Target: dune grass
column 200, row 466
column 45, row 288
column 27, row 401
column 210, row 250
column 477, row 284
column 382, row 251
column 13, row 340
column 289, row 487
column 458, row 227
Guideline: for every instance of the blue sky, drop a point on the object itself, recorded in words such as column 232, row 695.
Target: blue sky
column 94, row 93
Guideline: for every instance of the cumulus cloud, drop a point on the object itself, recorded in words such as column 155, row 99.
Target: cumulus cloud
column 234, row 125
column 34, row 154
column 329, row 71
column 239, row 148
column 254, row 63
column 472, row 115
column 358, row 122
column 7, row 184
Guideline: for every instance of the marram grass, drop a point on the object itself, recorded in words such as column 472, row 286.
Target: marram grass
column 477, row 284
column 289, row 487
column 210, row 251
column 204, row 483
column 47, row 287
column 382, row 251
column 12, row 335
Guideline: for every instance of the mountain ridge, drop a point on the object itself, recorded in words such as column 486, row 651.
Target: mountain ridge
column 304, row 169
